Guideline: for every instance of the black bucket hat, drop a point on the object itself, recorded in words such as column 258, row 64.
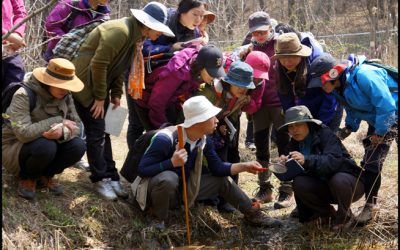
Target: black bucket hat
column 297, row 114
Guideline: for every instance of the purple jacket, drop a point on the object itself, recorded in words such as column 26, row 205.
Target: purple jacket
column 13, row 11
column 270, row 96
column 169, row 85
column 57, row 21
column 256, row 99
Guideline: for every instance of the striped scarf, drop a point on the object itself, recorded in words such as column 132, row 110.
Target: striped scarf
column 136, row 73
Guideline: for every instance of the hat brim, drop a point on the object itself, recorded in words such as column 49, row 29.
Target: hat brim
column 260, row 74
column 74, row 85
column 213, row 111
column 210, row 16
column 239, row 84
column 261, row 27
column 216, row 72
column 151, row 22
column 304, row 52
column 284, row 127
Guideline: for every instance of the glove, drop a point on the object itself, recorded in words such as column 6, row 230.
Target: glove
column 343, row 133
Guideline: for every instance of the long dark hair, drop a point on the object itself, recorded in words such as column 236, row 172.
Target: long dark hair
column 196, row 68
column 284, row 84
column 186, row 5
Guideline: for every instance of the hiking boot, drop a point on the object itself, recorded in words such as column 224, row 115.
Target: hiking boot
column 105, row 189
column 27, row 188
column 82, row 164
column 226, row 208
column 284, row 200
column 256, row 217
column 295, row 213
column 50, row 184
column 116, row 185
column 251, row 146
column 264, row 195
column 369, row 212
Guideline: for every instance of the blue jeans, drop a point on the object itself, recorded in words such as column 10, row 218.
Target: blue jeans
column 44, row 157
column 99, row 151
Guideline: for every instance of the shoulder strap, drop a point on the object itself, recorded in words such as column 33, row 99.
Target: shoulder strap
column 31, row 96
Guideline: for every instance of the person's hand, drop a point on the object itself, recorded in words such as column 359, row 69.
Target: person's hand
column 343, row 133
column 244, row 100
column 376, row 139
column 299, row 157
column 71, row 125
column 116, row 101
column 282, row 159
column 223, row 130
column 98, row 109
column 205, row 38
column 179, row 157
column 243, row 54
column 53, row 135
column 177, row 46
column 16, row 41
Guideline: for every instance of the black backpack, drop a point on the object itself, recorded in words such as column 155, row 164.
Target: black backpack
column 130, row 167
column 8, row 93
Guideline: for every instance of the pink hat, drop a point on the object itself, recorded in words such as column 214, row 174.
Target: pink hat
column 260, row 63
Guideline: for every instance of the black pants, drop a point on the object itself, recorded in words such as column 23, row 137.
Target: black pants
column 314, row 196
column 99, row 151
column 44, row 157
column 373, row 160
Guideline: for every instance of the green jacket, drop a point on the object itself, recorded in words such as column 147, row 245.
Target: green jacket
column 104, row 58
column 30, row 125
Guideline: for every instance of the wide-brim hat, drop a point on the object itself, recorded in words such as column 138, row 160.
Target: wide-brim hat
column 198, row 109
column 59, row 73
column 210, row 16
column 298, row 114
column 240, row 74
column 260, row 63
column 154, row 16
column 288, row 44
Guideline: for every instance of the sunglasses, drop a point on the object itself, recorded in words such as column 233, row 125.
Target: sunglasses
column 260, row 33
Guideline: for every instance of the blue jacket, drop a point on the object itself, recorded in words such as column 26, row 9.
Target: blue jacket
column 369, row 98
column 157, row 158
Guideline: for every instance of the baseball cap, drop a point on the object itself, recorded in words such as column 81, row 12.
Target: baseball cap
column 259, row 20
column 210, row 57
column 320, row 66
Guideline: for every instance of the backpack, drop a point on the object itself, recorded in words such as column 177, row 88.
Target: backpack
column 130, row 167
column 392, row 71
column 69, row 44
column 8, row 93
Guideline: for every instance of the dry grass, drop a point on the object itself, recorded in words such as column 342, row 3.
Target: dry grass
column 79, row 219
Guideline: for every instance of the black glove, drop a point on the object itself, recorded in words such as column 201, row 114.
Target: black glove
column 343, row 133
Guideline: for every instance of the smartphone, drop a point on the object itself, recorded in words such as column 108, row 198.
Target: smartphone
column 55, row 127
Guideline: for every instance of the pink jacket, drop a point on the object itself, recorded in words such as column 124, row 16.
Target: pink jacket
column 256, row 99
column 13, row 11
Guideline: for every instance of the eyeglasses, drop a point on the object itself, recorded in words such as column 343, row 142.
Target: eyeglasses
column 260, row 33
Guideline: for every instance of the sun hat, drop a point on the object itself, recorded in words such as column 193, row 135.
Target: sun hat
column 210, row 57
column 288, row 44
column 260, row 63
column 297, row 114
column 59, row 73
column 154, row 16
column 259, row 20
column 318, row 67
column 198, row 109
column 210, row 16
column 240, row 74
column 333, row 74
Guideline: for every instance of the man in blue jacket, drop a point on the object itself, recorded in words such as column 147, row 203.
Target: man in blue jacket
column 368, row 94
column 158, row 185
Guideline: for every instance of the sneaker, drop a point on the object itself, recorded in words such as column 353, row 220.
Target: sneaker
column 264, row 195
column 256, row 217
column 82, row 164
column 50, row 184
column 27, row 188
column 251, row 146
column 116, row 186
column 284, row 200
column 369, row 212
column 105, row 189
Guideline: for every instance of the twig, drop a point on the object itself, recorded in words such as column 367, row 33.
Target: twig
column 207, row 225
column 5, row 36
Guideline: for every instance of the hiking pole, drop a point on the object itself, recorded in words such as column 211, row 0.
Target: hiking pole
column 181, row 145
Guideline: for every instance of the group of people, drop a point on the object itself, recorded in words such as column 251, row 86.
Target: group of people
column 172, row 75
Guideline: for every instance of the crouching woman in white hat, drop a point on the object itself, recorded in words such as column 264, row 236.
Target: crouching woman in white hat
column 38, row 144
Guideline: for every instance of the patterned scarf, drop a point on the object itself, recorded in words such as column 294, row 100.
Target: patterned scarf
column 136, row 73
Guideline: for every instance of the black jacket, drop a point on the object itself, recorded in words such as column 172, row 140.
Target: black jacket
column 328, row 155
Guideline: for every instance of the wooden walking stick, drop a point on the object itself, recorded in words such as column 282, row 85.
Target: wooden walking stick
column 181, row 145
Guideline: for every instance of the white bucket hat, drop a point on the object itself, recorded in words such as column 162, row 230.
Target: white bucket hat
column 198, row 109
column 154, row 16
